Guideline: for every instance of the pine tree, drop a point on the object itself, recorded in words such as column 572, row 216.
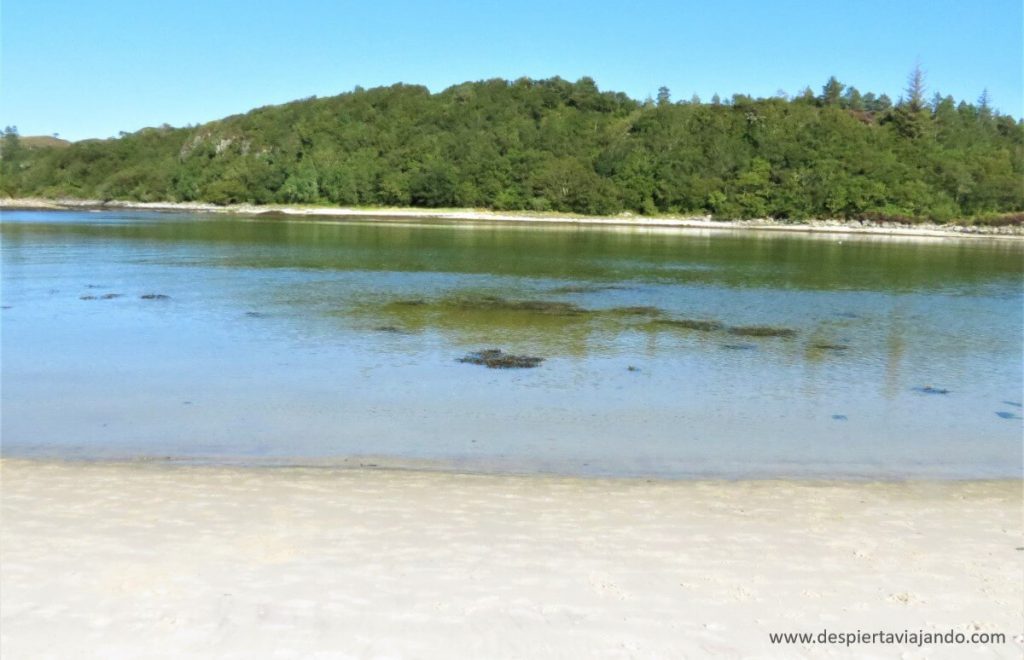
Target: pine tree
column 831, row 92
column 915, row 89
column 664, row 96
column 985, row 103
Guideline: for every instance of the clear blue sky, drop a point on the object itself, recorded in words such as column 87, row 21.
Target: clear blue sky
column 91, row 69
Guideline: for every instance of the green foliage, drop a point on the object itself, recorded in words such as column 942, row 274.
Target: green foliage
column 12, row 156
column 555, row 145
column 301, row 187
column 435, row 186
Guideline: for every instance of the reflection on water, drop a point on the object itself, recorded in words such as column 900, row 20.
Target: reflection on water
column 666, row 353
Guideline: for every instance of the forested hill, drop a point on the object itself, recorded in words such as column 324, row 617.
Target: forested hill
column 553, row 145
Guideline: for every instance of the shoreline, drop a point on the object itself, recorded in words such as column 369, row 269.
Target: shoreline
column 523, row 217
column 384, row 467
column 165, row 561
column 496, row 468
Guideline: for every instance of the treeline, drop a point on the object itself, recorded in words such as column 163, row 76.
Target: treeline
column 554, row 145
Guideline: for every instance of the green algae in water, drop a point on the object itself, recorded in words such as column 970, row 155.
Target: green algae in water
column 633, row 310
column 497, row 303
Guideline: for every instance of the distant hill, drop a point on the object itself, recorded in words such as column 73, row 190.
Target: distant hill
column 554, row 145
column 43, row 141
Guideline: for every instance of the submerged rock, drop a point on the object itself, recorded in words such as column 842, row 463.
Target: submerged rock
column 495, row 358
column 761, row 331
column 586, row 288
column 395, row 330
column 1007, row 415
column 702, row 325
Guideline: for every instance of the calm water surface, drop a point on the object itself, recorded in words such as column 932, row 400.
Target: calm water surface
column 293, row 341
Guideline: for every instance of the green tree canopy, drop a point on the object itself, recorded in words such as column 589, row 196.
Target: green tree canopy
column 556, row 145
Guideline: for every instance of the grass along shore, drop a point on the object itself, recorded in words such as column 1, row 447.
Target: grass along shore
column 705, row 222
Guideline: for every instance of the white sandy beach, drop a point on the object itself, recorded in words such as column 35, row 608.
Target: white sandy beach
column 103, row 560
column 480, row 215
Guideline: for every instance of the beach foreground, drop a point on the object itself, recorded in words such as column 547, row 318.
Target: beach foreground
column 155, row 560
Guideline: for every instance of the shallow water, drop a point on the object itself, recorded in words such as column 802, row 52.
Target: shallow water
column 311, row 341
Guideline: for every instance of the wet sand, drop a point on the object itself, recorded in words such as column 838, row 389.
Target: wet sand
column 110, row 560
